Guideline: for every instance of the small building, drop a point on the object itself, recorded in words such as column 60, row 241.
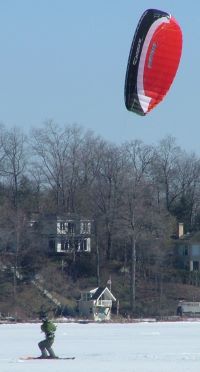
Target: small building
column 189, row 308
column 96, row 304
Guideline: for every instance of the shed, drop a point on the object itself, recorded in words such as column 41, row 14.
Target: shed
column 96, row 304
column 189, row 308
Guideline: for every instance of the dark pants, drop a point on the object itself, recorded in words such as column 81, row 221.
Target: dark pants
column 46, row 347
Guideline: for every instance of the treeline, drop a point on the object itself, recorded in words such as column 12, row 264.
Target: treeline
column 134, row 193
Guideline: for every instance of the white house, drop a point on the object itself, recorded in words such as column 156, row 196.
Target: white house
column 96, row 304
column 72, row 234
column 64, row 233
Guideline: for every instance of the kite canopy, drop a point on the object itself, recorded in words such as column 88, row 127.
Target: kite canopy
column 153, row 61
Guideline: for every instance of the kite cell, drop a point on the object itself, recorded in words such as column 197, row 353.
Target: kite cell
column 153, row 61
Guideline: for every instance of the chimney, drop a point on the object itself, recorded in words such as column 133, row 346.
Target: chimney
column 180, row 230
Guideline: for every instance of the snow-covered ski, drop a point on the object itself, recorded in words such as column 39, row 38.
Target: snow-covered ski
column 47, row 358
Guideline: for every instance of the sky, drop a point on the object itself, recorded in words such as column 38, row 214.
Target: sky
column 66, row 60
column 133, row 347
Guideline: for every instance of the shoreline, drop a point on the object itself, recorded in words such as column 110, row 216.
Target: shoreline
column 112, row 321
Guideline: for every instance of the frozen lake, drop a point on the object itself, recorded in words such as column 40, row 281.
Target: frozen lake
column 135, row 347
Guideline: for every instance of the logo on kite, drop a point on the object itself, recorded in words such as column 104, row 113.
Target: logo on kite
column 153, row 61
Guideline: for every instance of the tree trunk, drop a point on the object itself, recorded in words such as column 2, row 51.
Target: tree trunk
column 97, row 263
column 109, row 245
column 133, row 274
column 97, row 254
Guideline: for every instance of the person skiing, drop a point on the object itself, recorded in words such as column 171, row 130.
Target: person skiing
column 45, row 346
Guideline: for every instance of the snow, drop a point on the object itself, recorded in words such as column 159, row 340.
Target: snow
column 133, row 347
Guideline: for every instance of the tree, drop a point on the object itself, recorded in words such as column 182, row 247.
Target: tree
column 137, row 201
column 14, row 155
column 176, row 176
column 165, row 170
column 188, row 179
column 57, row 153
column 107, row 189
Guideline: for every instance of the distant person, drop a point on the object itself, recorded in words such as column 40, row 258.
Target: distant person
column 179, row 311
column 45, row 346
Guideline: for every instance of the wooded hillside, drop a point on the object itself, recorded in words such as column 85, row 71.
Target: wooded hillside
column 134, row 193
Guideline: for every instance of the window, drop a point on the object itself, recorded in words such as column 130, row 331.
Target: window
column 71, row 227
column 67, row 245
column 195, row 250
column 89, row 296
column 196, row 265
column 62, row 245
column 86, row 296
column 85, row 245
column 183, row 250
column 62, row 226
column 85, row 227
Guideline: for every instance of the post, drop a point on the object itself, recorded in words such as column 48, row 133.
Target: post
column 109, row 282
column 117, row 307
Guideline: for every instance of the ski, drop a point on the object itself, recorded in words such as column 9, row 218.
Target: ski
column 48, row 358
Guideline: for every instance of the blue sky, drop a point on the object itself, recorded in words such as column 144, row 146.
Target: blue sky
column 66, row 60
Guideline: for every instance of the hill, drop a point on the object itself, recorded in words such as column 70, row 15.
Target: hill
column 56, row 288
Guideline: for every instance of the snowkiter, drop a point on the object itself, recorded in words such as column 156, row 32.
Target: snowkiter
column 45, row 346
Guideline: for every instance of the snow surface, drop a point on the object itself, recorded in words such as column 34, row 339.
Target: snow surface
column 133, row 347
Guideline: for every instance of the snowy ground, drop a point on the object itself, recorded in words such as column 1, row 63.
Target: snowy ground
column 138, row 347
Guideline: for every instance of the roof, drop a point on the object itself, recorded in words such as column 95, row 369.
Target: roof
column 100, row 291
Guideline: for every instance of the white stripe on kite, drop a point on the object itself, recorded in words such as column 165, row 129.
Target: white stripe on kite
column 145, row 100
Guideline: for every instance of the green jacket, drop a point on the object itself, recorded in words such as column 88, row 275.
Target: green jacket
column 48, row 328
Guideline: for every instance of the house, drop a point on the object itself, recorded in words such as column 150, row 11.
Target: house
column 65, row 233
column 96, row 304
column 187, row 250
column 189, row 255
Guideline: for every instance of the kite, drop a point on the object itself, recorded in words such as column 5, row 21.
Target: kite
column 153, row 61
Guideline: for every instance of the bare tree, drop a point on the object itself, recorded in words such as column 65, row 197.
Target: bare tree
column 91, row 151
column 165, row 170
column 107, row 191
column 176, row 177
column 137, row 200
column 188, row 181
column 13, row 160
column 57, row 152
